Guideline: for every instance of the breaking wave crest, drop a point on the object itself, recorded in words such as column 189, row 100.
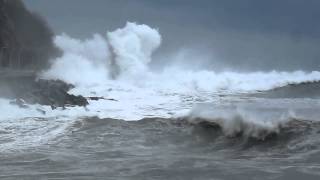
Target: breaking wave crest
column 124, row 54
column 258, row 123
column 115, row 67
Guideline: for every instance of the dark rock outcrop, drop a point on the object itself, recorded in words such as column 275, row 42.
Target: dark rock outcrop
column 53, row 93
column 25, row 47
column 26, row 90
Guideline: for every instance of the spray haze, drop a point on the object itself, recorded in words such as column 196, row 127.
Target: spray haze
column 133, row 47
column 170, row 89
column 161, row 89
column 129, row 51
column 244, row 36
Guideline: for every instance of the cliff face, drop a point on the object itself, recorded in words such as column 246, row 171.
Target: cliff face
column 25, row 38
column 7, row 37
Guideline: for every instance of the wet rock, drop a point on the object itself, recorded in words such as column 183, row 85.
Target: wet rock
column 53, row 93
column 41, row 111
column 19, row 102
column 96, row 98
column 101, row 98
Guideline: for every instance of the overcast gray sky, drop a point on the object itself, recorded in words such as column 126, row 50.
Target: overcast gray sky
column 243, row 34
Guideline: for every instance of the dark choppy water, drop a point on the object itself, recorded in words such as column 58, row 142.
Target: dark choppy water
column 211, row 127
column 168, row 149
column 270, row 135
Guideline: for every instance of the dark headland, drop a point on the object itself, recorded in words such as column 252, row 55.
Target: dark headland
column 26, row 48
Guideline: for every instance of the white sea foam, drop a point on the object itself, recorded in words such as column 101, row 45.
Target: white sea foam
column 137, row 91
column 140, row 92
column 253, row 120
column 84, row 63
column 132, row 47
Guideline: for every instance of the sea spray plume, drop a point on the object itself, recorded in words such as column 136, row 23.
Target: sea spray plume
column 94, row 49
column 126, row 54
column 83, row 62
column 183, row 80
column 133, row 46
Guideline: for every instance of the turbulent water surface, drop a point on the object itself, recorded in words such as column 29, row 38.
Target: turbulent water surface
column 173, row 124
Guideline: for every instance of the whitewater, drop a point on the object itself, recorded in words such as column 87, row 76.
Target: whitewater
column 115, row 66
column 162, row 123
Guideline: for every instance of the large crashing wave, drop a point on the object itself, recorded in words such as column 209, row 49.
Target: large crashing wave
column 83, row 62
column 124, row 54
column 245, row 121
column 132, row 47
column 115, row 66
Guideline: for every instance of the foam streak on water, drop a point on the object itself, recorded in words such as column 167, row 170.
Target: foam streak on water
column 195, row 124
column 115, row 67
column 90, row 65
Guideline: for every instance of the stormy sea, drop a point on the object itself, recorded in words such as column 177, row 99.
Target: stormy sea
column 173, row 123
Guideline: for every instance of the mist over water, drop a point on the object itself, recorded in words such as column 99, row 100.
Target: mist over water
column 161, row 122
column 116, row 65
column 125, row 54
column 242, row 36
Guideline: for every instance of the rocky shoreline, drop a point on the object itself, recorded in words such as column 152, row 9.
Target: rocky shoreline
column 28, row 90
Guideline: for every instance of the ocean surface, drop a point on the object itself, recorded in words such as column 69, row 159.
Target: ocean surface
column 174, row 123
